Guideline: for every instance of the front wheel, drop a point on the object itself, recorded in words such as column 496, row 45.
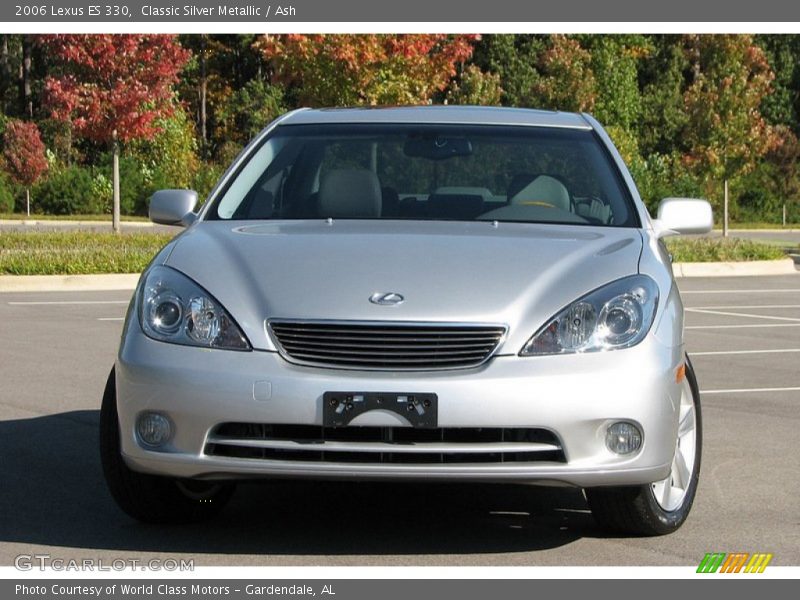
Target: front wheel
column 151, row 498
column 661, row 507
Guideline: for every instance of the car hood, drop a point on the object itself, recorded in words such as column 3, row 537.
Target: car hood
column 514, row 274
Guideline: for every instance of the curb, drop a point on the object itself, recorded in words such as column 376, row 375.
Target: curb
column 68, row 283
column 784, row 266
column 64, row 223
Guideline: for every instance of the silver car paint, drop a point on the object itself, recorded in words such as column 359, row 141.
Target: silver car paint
column 511, row 274
column 516, row 274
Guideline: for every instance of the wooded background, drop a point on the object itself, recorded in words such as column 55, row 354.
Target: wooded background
column 687, row 111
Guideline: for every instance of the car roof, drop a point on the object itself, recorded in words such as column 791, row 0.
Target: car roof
column 464, row 115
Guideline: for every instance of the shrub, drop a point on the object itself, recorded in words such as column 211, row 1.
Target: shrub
column 67, row 191
column 169, row 159
column 721, row 249
column 7, row 194
column 205, row 179
column 135, row 184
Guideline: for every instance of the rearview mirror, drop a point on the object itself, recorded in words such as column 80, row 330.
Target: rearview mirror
column 437, row 147
column 683, row 215
column 173, row 207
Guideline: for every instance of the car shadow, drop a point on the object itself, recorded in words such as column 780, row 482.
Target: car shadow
column 54, row 495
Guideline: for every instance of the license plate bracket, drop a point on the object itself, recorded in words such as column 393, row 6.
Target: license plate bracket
column 420, row 409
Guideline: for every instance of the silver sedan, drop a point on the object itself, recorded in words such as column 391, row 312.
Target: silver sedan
column 432, row 293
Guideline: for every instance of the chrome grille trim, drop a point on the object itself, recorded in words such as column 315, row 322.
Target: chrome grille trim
column 386, row 445
column 385, row 345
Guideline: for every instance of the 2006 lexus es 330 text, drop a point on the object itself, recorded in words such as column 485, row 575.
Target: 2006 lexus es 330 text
column 430, row 293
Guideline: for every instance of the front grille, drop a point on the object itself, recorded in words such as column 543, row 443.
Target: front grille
column 399, row 445
column 386, row 345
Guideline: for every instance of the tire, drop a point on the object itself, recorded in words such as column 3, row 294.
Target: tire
column 151, row 498
column 656, row 509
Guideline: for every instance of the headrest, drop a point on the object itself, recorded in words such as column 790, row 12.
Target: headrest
column 349, row 193
column 518, row 183
column 543, row 190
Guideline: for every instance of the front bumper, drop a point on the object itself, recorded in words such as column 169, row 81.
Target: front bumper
column 575, row 397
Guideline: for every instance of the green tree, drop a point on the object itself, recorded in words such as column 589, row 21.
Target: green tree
column 221, row 65
column 169, row 158
column 248, row 110
column 552, row 72
column 725, row 133
column 615, row 64
column 663, row 77
column 476, row 88
column 780, row 107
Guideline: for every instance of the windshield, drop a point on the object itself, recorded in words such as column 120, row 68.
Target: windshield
column 429, row 172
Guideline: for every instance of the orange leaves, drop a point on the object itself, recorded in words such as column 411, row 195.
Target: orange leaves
column 354, row 69
column 566, row 81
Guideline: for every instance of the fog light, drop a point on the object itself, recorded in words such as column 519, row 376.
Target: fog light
column 623, row 438
column 153, row 429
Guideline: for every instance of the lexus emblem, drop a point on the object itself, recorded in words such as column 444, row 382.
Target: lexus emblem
column 386, row 298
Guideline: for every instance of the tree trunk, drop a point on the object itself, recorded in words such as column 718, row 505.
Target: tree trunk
column 725, row 212
column 27, row 94
column 203, row 91
column 28, row 201
column 115, row 219
column 5, row 72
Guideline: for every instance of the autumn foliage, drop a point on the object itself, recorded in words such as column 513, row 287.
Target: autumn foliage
column 24, row 152
column 108, row 83
column 726, row 132
column 687, row 112
column 356, row 69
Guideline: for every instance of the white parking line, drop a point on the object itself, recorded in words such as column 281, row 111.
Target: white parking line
column 111, row 318
column 721, row 352
column 748, row 326
column 733, row 314
column 751, row 306
column 746, row 390
column 780, row 291
column 60, row 302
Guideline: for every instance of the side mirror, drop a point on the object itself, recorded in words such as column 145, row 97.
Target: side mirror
column 683, row 215
column 173, row 207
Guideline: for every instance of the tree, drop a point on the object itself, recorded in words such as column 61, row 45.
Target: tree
column 24, row 155
column 725, row 131
column 248, row 110
column 663, row 77
column 113, row 88
column 615, row 65
column 222, row 65
column 780, row 107
column 551, row 71
column 476, row 87
column 357, row 69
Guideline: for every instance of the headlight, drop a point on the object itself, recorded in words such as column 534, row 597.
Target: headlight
column 617, row 315
column 173, row 308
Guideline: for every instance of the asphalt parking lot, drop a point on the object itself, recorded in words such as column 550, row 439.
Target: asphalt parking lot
column 743, row 335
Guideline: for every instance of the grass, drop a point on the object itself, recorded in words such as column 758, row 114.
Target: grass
column 719, row 249
column 34, row 217
column 758, row 225
column 77, row 252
